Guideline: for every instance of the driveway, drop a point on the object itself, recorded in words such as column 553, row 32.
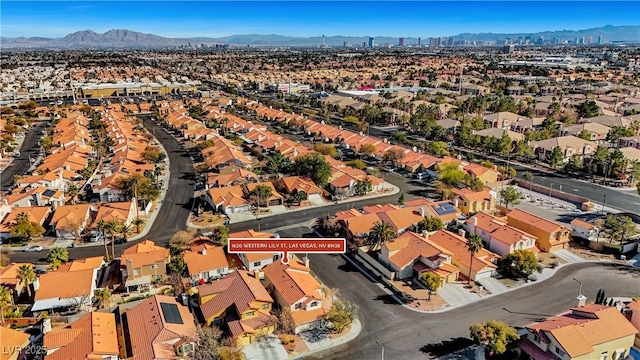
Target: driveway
column 493, row 285
column 267, row 348
column 456, row 295
column 568, row 256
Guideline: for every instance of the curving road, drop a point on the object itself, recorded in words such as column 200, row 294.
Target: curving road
column 29, row 148
column 403, row 332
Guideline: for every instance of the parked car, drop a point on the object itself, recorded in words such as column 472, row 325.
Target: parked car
column 36, row 248
column 95, row 237
column 16, row 154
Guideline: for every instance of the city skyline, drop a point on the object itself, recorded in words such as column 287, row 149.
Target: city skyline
column 219, row 19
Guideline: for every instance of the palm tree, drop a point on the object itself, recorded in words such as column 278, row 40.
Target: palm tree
column 474, row 245
column 26, row 276
column 102, row 226
column 380, row 233
column 528, row 176
column 137, row 222
column 112, row 228
column 5, row 302
column 72, row 191
column 104, row 297
column 124, row 229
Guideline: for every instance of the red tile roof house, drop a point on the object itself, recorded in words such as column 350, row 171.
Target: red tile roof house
column 483, row 262
column 142, row 263
column 293, row 287
column 227, row 200
column 92, row 336
column 499, row 237
column 205, row 261
column 70, row 220
column 157, row 328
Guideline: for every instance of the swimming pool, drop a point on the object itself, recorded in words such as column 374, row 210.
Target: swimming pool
column 635, row 354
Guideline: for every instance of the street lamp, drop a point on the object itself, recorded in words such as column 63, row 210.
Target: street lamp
column 550, row 188
column 378, row 342
column 579, row 291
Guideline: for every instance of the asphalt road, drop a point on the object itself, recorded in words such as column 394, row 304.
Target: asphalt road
column 29, row 147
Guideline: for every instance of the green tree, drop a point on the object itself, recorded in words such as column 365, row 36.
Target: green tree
column 494, row 334
column 178, row 266
column 104, row 297
column 112, row 228
column 380, row 233
column 475, row 184
column 102, row 228
column 262, row 193
column 124, row 230
column 438, row 148
column 430, row 223
column 57, row 256
column 528, row 176
column 153, row 154
column 450, row 174
column 556, row 157
column 367, row 150
column 357, row 164
column 588, row 109
column 619, row 227
column 393, row 156
column 137, row 222
column 510, row 196
column 341, row 315
column 46, row 143
column 474, row 245
column 618, row 132
column 278, row 163
column 432, row 282
column 137, row 186
column 220, row 235
column 24, row 228
column 520, row 263
column 402, row 199
column 5, row 302
column 362, row 187
column 72, row 191
column 585, row 135
column 575, row 163
column 314, row 166
column 26, row 276
column 325, row 149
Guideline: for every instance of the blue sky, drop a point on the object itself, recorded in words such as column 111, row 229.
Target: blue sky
column 307, row 18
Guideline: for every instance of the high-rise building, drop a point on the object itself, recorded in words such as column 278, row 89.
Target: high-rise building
column 371, row 43
column 323, row 44
column 364, row 44
column 346, row 44
column 450, row 41
column 419, row 41
column 507, row 49
column 434, row 41
column 599, row 39
column 401, row 41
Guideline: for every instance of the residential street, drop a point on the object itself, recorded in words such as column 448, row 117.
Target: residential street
column 29, row 148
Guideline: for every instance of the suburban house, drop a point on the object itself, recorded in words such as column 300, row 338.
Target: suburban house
column 584, row 230
column 158, row 328
column 70, row 220
column 298, row 183
column 502, row 119
column 485, row 174
column 239, row 301
column 255, row 261
column 569, row 145
column 119, row 212
column 585, row 332
column 445, row 210
column 498, row 133
column 597, row 132
column 9, row 280
column 629, row 141
column 230, row 175
column 411, row 255
column 293, row 287
column 483, row 262
column 142, row 263
column 499, row 237
column 205, row 261
column 227, row 200
column 471, row 202
column 551, row 236
column 37, row 214
column 77, row 292
column 273, row 200
column 633, row 314
column 92, row 336
column 14, row 339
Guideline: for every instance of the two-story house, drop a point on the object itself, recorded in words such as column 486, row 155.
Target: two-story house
column 483, row 264
column 551, row 236
column 499, row 237
column 255, row 261
column 470, row 202
column 92, row 336
column 585, row 332
column 70, row 220
column 568, row 145
column 239, row 301
column 585, row 230
column 293, row 287
column 142, row 263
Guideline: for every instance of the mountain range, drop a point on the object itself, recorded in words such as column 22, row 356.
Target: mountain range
column 119, row 38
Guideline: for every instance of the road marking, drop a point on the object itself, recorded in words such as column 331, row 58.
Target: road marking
column 576, row 190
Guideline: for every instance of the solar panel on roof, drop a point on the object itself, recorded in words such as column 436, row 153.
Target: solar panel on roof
column 171, row 313
column 49, row 193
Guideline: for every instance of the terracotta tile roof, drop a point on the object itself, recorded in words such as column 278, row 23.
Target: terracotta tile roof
column 91, row 336
column 228, row 196
column 204, row 257
column 70, row 216
column 77, row 283
column 9, row 275
column 36, row 214
column 116, row 211
column 581, row 329
column 144, row 253
column 83, row 264
column 402, row 218
column 239, row 289
column 378, row 208
column 274, row 193
column 301, row 184
column 410, row 246
column 582, row 223
column 499, row 229
column 12, row 339
column 534, row 220
column 477, row 169
column 228, row 179
column 300, row 317
column 457, row 245
column 347, row 214
column 361, row 224
column 472, row 196
column 293, row 282
column 253, row 257
column 149, row 332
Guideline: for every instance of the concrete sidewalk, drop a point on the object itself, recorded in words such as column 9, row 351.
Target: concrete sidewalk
column 270, row 348
column 568, row 256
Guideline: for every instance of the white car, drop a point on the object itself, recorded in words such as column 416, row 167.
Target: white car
column 36, row 248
